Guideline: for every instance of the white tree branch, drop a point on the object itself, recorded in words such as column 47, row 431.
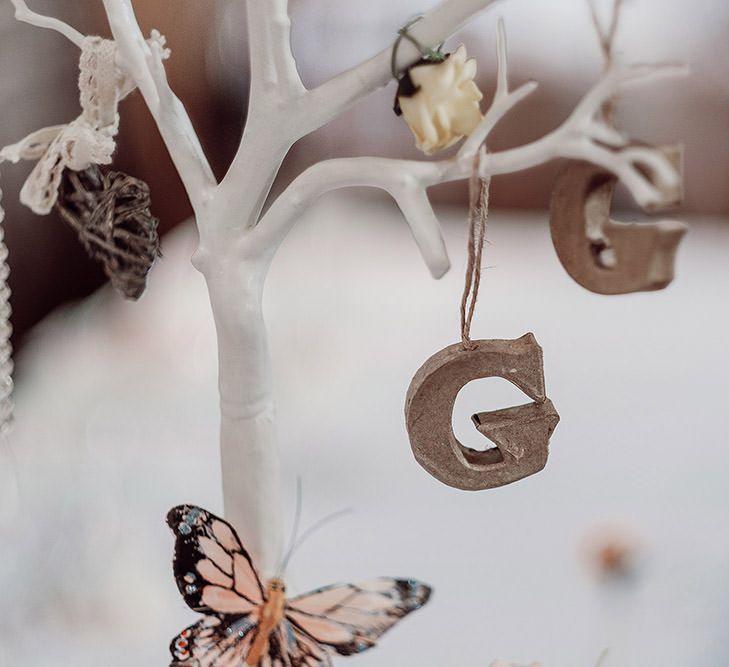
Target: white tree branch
column 304, row 111
column 275, row 92
column 26, row 15
column 503, row 102
column 335, row 96
column 586, row 136
column 405, row 180
column 646, row 172
column 145, row 66
column 502, row 61
column 497, row 111
column 273, row 68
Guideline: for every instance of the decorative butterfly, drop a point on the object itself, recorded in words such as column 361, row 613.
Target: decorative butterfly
column 247, row 624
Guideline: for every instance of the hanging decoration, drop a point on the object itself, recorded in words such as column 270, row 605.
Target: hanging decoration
column 110, row 212
column 437, row 95
column 521, row 434
column 602, row 255
column 245, row 623
column 89, row 139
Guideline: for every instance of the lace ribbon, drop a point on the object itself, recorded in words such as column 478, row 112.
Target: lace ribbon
column 90, row 139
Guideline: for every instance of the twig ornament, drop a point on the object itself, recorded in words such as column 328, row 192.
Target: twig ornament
column 521, row 433
column 602, row 255
column 110, row 212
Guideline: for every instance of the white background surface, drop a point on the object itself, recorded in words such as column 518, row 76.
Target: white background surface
column 117, row 422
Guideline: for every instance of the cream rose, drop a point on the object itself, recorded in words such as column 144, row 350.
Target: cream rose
column 440, row 102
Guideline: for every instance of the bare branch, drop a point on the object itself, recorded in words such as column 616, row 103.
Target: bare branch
column 498, row 110
column 502, row 60
column 617, row 77
column 276, row 89
column 587, row 136
column 310, row 110
column 504, row 100
column 26, row 15
column 405, row 180
column 647, row 172
column 144, row 64
column 606, row 36
column 332, row 98
column 273, row 68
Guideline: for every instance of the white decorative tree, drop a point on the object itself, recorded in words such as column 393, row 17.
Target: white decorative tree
column 238, row 241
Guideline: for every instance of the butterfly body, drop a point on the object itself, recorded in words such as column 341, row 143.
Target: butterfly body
column 271, row 615
column 245, row 624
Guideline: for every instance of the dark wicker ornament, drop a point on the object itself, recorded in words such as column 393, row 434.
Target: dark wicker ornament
column 110, row 212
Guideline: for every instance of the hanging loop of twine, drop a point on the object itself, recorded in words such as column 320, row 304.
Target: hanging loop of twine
column 478, row 188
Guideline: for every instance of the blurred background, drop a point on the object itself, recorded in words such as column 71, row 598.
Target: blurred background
column 621, row 543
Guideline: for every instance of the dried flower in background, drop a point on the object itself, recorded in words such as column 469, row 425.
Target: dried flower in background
column 440, row 101
column 613, row 552
column 110, row 211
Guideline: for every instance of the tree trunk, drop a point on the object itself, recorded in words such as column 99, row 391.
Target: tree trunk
column 249, row 450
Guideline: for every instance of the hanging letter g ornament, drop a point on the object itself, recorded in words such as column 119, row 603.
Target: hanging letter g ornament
column 605, row 256
column 521, row 433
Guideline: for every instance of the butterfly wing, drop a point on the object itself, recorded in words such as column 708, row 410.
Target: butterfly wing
column 213, row 571
column 215, row 641
column 291, row 648
column 349, row 618
column 216, row 577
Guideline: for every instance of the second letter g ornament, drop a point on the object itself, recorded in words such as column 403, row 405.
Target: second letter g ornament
column 521, row 433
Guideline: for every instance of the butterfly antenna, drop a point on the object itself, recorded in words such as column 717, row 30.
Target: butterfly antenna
column 294, row 526
column 309, row 532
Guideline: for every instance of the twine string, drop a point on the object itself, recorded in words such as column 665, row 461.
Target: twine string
column 478, row 189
